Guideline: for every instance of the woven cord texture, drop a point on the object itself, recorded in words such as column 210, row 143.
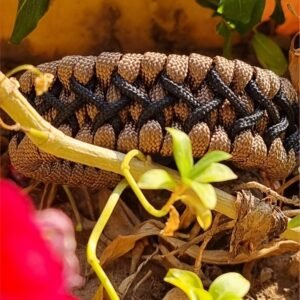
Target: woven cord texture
column 125, row 101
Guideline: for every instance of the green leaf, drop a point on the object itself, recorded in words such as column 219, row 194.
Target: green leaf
column 213, row 4
column 256, row 17
column 224, row 30
column 191, row 199
column 182, row 151
column 295, row 222
column 229, row 284
column 28, row 15
column 204, row 218
column 216, row 172
column 269, row 53
column 237, row 10
column 189, row 283
column 190, row 279
column 278, row 15
column 206, row 193
column 229, row 296
column 157, row 179
column 206, row 160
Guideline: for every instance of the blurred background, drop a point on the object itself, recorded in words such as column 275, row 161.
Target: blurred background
column 92, row 26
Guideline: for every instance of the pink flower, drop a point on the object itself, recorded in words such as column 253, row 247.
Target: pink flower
column 31, row 269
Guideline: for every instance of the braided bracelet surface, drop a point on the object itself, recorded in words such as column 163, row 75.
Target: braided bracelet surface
column 124, row 102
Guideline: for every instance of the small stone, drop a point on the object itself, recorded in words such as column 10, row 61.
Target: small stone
column 266, row 274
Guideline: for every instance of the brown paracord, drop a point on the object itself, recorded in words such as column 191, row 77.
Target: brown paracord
column 124, row 102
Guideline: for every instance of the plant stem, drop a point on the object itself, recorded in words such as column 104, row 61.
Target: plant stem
column 132, row 183
column 95, row 236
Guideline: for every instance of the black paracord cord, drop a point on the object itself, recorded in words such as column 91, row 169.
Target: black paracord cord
column 254, row 92
column 179, row 91
column 293, row 141
column 130, row 90
column 274, row 131
column 246, row 123
column 108, row 112
column 281, row 100
column 201, row 113
column 220, row 88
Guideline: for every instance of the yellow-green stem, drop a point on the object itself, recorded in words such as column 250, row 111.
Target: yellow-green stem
column 132, row 183
column 95, row 236
column 31, row 68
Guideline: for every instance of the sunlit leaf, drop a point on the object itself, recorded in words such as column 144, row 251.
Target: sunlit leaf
column 237, row 10
column 229, row 284
column 269, row 53
column 28, row 15
column 206, row 160
column 255, row 18
column 206, row 193
column 230, row 296
column 189, row 283
column 182, row 151
column 156, row 179
column 204, row 218
column 202, row 213
column 295, row 222
column 216, row 172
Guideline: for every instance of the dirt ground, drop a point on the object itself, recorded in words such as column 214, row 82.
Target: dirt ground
column 275, row 277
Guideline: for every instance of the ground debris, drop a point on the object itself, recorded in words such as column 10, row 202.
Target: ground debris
column 258, row 223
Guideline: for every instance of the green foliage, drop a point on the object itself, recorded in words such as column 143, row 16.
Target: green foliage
column 194, row 189
column 239, row 11
column 182, row 150
column 277, row 14
column 208, row 159
column 295, row 222
column 28, row 15
column 157, row 179
column 229, row 286
column 269, row 53
column 224, row 29
column 243, row 16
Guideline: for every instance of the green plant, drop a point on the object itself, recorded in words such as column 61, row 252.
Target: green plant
column 243, row 16
column 29, row 14
column 194, row 188
column 228, row 286
column 295, row 222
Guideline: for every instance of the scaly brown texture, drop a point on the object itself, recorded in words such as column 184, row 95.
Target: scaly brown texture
column 125, row 101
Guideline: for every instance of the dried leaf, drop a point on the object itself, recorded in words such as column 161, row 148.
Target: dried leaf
column 294, row 61
column 127, row 282
column 173, row 222
column 124, row 243
column 269, row 222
